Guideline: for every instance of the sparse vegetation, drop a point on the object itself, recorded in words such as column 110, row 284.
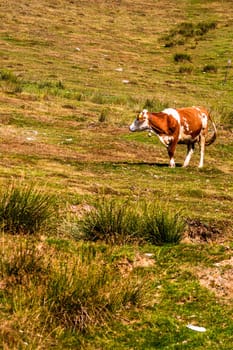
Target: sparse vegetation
column 65, row 108
column 188, row 69
column 187, row 30
column 154, row 105
column 73, row 293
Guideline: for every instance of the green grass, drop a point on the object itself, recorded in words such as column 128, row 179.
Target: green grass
column 25, row 209
column 73, row 77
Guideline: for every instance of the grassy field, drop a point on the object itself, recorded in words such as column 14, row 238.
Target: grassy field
column 73, row 76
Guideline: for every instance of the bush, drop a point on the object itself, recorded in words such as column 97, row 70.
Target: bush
column 161, row 225
column 110, row 221
column 12, row 84
column 115, row 222
column 25, row 209
column 210, row 68
column 182, row 57
column 186, row 31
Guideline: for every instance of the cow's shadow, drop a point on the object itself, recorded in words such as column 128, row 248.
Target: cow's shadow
column 150, row 164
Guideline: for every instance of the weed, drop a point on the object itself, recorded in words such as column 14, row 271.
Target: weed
column 25, row 209
column 161, row 225
column 70, row 291
column 81, row 296
column 12, row 83
column 8, row 76
column 116, row 222
column 182, row 57
column 110, row 221
column 210, row 68
column 186, row 69
column 25, row 262
column 187, row 30
column 103, row 116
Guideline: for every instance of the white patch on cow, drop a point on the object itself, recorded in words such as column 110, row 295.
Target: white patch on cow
column 173, row 112
column 186, row 124
column 138, row 125
column 204, row 120
column 165, row 139
column 172, row 163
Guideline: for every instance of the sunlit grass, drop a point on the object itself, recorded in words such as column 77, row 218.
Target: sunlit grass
column 25, row 209
column 79, row 90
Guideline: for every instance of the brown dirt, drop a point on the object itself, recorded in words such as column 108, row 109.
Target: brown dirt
column 201, row 232
column 219, row 279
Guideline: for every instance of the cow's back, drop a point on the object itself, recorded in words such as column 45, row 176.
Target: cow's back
column 193, row 120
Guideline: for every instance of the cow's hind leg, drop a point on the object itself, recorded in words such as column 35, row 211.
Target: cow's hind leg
column 190, row 150
column 202, row 146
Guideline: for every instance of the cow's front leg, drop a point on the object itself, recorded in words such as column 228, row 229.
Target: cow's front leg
column 190, row 150
column 171, row 152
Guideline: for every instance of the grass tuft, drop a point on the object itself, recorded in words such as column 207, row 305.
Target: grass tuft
column 187, row 30
column 162, row 226
column 116, row 222
column 182, row 57
column 210, row 68
column 25, row 209
column 110, row 221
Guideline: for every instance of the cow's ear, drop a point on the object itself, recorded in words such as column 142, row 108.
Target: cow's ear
column 171, row 123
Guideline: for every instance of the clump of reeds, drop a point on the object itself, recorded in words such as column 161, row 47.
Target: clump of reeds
column 115, row 222
column 25, row 208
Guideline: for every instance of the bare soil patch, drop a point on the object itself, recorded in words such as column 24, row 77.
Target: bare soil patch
column 219, row 279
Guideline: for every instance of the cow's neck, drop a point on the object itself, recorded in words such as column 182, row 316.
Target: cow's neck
column 154, row 122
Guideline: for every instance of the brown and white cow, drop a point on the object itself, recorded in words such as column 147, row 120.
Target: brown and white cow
column 182, row 125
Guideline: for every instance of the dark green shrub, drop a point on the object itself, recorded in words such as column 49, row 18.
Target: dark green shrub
column 187, row 31
column 25, row 209
column 203, row 27
column 116, row 222
column 210, row 68
column 182, row 57
column 8, row 76
column 110, row 221
column 162, row 226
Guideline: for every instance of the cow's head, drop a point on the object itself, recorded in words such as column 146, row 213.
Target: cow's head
column 141, row 122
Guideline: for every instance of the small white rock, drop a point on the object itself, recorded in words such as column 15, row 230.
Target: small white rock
column 196, row 328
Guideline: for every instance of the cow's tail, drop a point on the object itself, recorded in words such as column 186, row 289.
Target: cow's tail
column 213, row 136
